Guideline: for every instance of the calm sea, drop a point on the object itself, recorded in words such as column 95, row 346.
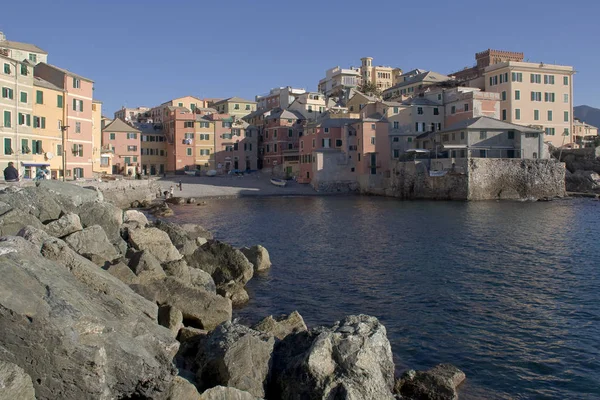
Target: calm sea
column 507, row 291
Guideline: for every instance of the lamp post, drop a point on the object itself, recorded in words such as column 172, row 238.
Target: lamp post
column 63, row 129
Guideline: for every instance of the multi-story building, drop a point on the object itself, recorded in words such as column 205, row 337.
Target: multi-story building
column 412, row 83
column 153, row 151
column 483, row 60
column 205, row 143
column 20, row 143
column 338, row 80
column 280, row 97
column 77, row 117
column 235, row 106
column 382, row 77
column 124, row 141
column 22, row 51
column 138, row 114
column 100, row 160
column 178, row 126
column 157, row 114
column 311, row 105
column 280, row 137
column 584, row 135
column 462, row 103
column 535, row 94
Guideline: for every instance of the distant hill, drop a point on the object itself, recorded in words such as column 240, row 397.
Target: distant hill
column 589, row 115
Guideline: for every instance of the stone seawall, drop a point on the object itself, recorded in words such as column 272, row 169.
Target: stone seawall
column 124, row 192
column 411, row 180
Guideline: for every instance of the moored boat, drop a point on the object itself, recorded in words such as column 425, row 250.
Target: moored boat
column 278, row 182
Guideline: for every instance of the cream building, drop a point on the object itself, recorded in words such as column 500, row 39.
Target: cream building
column 22, row 51
column 383, row 77
column 535, row 94
column 205, row 143
column 158, row 113
column 235, row 106
column 413, row 82
column 337, row 80
column 584, row 135
column 138, row 114
column 153, row 151
column 101, row 158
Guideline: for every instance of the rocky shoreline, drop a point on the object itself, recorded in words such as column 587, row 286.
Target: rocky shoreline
column 96, row 302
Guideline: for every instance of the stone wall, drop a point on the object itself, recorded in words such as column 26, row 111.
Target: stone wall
column 411, row 180
column 514, row 179
column 124, row 192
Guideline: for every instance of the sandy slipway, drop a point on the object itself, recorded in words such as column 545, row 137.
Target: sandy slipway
column 98, row 303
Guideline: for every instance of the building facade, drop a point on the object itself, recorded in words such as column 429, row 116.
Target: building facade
column 280, row 97
column 584, row 135
column 153, row 148
column 22, row 51
column 337, row 80
column 235, row 106
column 138, row 114
column 124, row 141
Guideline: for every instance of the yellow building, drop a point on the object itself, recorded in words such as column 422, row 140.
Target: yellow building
column 412, row 82
column 158, row 113
column 153, row 158
column 101, row 159
column 381, row 76
column 205, row 143
column 235, row 106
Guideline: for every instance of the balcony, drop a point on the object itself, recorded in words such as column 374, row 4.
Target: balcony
column 188, row 141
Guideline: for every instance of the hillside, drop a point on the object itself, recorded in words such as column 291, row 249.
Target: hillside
column 588, row 114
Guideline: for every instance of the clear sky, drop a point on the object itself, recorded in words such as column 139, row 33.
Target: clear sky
column 147, row 52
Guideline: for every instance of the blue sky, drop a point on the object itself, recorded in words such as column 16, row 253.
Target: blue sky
column 147, row 52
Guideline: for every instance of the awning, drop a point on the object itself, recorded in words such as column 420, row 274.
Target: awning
column 35, row 164
column 455, row 146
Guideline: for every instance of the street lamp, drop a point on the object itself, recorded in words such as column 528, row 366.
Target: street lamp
column 63, row 129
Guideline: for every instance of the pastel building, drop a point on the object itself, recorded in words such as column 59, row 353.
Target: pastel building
column 124, row 141
column 205, row 143
column 138, row 114
column 280, row 97
column 22, row 51
column 178, row 126
column 281, row 133
column 234, row 106
column 584, row 135
column 157, row 114
column 100, row 159
column 413, row 82
column 153, row 148
column 337, row 80
column 382, row 77
column 77, row 117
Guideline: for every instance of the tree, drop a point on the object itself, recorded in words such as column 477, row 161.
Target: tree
column 370, row 89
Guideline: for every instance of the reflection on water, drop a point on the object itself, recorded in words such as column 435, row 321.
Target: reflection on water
column 507, row 291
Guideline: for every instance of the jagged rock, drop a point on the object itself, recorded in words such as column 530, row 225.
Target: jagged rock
column 156, row 242
column 175, row 200
column 235, row 355
column 176, row 233
column 4, row 208
column 235, row 292
column 351, row 360
column 187, row 333
column 202, row 279
column 171, row 318
column 178, row 269
column 191, row 276
column 99, row 260
column 65, row 225
column 39, row 203
column 162, row 210
column 15, row 383
column 258, row 256
column 582, row 181
column 123, row 273
column 92, row 240
column 282, row 325
column 437, row 383
column 146, row 267
column 195, row 231
column 223, row 262
column 201, row 241
column 182, row 389
column 15, row 220
column 188, row 248
column 106, row 215
column 69, row 196
column 226, row 393
column 35, row 236
column 205, row 310
column 77, row 331
column 135, row 216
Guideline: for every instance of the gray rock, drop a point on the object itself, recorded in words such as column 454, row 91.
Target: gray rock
column 226, row 393
column 188, row 248
column 171, row 318
column 351, row 360
column 156, row 242
column 206, row 310
column 235, row 292
column 15, row 220
column 146, row 267
column 92, row 240
column 182, row 389
column 135, row 216
column 202, row 279
column 65, row 225
column 39, row 203
column 35, row 236
column 161, row 210
column 123, row 273
column 195, row 231
column 201, row 241
column 106, row 215
column 235, row 355
column 15, row 383
column 176, row 233
column 178, row 269
column 582, row 181
column 437, row 383
column 77, row 331
column 68, row 195
column 191, row 276
column 223, row 262
column 187, row 333
column 282, row 325
column 4, row 208
column 258, row 256
column 175, row 200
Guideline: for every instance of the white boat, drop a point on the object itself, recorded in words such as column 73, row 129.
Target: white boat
column 211, row 172
column 278, row 182
column 190, row 172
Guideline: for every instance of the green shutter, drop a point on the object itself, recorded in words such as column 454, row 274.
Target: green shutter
column 35, row 122
column 39, row 97
column 24, row 145
column 81, row 105
column 7, row 68
column 7, row 122
column 23, row 97
column 28, row 119
column 7, row 146
column 34, row 146
column 74, row 82
column 59, row 101
column 11, row 94
column 74, row 105
column 43, row 122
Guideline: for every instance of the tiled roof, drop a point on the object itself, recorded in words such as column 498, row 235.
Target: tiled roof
column 148, row 127
column 45, row 84
column 118, row 125
column 22, row 46
column 68, row 72
column 285, row 114
column 487, row 123
column 420, row 101
column 235, row 99
column 428, row 76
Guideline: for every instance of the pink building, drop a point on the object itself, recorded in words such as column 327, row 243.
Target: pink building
column 178, row 126
column 281, row 132
column 125, row 143
column 77, row 117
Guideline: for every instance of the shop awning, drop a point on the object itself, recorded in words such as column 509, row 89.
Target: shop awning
column 26, row 164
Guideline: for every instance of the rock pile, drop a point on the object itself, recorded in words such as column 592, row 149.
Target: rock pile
column 97, row 303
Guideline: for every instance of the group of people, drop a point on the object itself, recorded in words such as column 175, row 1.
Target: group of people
column 11, row 174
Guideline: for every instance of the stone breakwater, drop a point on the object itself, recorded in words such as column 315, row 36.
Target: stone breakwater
column 99, row 303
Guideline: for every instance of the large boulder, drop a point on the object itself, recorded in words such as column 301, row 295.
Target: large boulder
column 77, row 331
column 65, row 225
column 351, row 360
column 68, row 195
column 235, row 355
column 182, row 389
column 202, row 309
column 226, row 393
column 136, row 217
column 155, row 242
column 582, row 181
column 123, row 273
column 223, row 262
column 258, row 256
column 15, row 383
column 171, row 318
column 92, row 241
column 282, row 325
column 106, row 215
column 39, row 203
column 4, row 208
column 234, row 291
column 146, row 267
column 195, row 231
column 437, row 383
column 15, row 220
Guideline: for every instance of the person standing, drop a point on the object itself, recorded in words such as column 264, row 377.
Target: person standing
column 10, row 173
column 180, row 186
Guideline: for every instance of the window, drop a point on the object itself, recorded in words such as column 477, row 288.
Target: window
column 76, row 83
column 482, row 153
column 482, row 135
column 112, row 136
column 23, row 97
column 373, row 126
column 179, row 104
column 453, row 110
column 313, row 143
column 565, row 80
column 326, row 130
column 8, row 146
column 536, row 115
column 77, row 105
column 247, row 107
column 39, row 122
column 445, row 138
column 396, row 139
column 549, row 97
column 188, row 151
column 59, row 101
column 7, row 93
column 503, row 115
column 504, row 95
column 127, row 160
column 550, row 131
column 188, row 124
column 549, row 79
column 535, row 78
column 236, row 106
column 24, row 70
column 131, row 135
column 436, row 111
column 25, row 146
column 275, row 148
column 549, row 115
column 7, row 68
column 566, row 116
column 462, row 136
column 326, row 143
column 290, row 132
column 466, row 107
column 225, row 124
column 77, row 127
column 24, row 119
column 517, row 77
column 396, row 153
column 274, row 133
column 420, row 110
column 395, row 110
column 565, row 98
column 36, row 147
column 517, row 95
column 372, row 139
column 78, row 150
column 59, row 150
column 517, row 113
column 536, row 96
column 396, row 125
column 39, row 97
column 511, row 135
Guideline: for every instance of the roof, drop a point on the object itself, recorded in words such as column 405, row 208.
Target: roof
column 392, row 103
column 45, row 84
column 420, row 101
column 67, row 72
column 96, row 101
column 118, row 125
column 218, row 117
column 256, row 113
column 327, row 122
column 354, row 92
column 176, row 108
column 428, row 76
column 146, row 127
column 375, row 117
column 487, row 123
column 22, row 46
column 285, row 114
column 235, row 99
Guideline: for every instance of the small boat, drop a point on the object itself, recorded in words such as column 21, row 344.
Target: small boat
column 278, row 182
column 190, row 172
column 211, row 172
